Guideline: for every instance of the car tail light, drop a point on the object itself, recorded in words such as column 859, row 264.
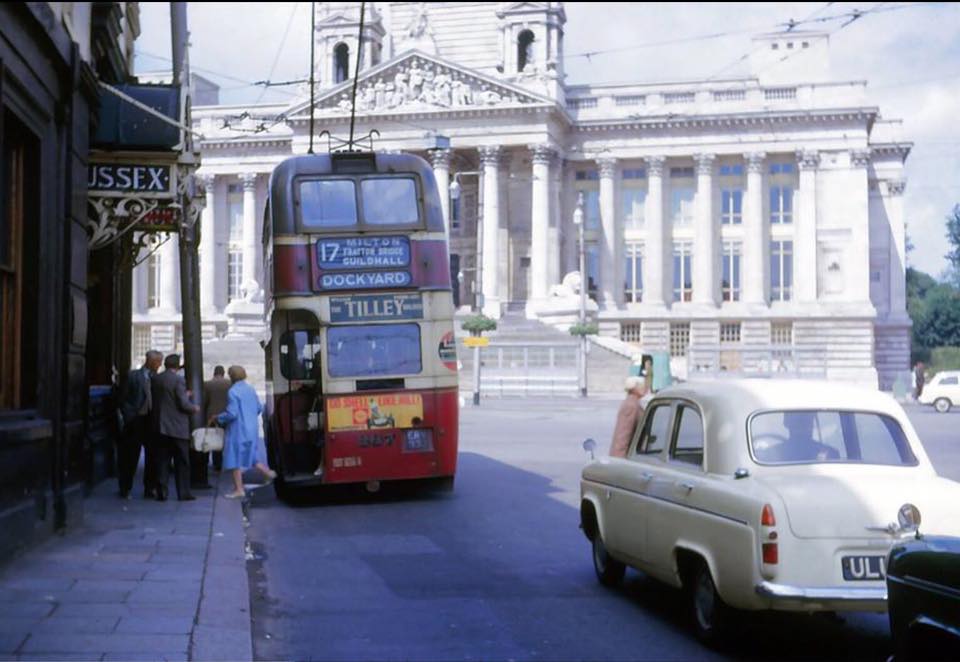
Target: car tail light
column 770, row 553
column 766, row 517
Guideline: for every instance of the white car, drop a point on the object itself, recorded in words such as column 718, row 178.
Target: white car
column 765, row 494
column 943, row 391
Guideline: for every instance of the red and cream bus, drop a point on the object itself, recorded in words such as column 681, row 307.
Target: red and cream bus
column 361, row 363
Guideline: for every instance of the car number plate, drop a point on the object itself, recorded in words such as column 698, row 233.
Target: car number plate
column 864, row 568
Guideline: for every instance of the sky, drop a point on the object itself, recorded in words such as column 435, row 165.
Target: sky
column 908, row 52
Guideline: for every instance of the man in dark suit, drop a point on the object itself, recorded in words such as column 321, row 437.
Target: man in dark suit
column 171, row 420
column 215, row 402
column 135, row 409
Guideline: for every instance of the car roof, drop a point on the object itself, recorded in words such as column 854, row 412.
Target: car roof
column 749, row 395
column 948, row 373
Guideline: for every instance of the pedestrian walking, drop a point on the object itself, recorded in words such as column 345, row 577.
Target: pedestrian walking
column 918, row 379
column 241, row 418
column 631, row 409
column 171, row 420
column 135, row 410
column 214, row 402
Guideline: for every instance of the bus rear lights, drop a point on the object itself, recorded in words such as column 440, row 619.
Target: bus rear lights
column 418, row 440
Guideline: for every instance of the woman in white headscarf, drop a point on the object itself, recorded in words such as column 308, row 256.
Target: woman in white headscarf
column 631, row 409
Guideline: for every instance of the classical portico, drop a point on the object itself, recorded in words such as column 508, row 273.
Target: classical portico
column 720, row 216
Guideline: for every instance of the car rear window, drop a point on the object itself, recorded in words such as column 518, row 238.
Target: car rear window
column 825, row 436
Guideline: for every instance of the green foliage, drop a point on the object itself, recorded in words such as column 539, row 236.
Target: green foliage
column 588, row 329
column 944, row 358
column 477, row 324
column 953, row 237
column 935, row 310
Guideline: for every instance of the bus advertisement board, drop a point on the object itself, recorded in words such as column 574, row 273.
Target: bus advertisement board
column 376, row 307
column 365, row 412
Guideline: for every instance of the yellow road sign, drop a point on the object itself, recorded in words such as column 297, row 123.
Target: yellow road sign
column 476, row 341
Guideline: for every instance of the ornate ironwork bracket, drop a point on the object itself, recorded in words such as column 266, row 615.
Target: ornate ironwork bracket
column 113, row 218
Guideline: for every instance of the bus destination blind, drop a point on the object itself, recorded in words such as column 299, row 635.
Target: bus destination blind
column 363, row 263
column 376, row 307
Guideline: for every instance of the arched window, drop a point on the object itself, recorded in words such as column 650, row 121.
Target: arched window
column 524, row 49
column 341, row 63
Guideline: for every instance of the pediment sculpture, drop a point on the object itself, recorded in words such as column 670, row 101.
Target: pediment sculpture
column 418, row 83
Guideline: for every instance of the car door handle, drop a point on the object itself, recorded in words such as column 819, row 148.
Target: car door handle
column 687, row 486
column 646, row 477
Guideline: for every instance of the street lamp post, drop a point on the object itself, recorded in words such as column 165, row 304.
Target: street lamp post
column 578, row 221
column 478, row 272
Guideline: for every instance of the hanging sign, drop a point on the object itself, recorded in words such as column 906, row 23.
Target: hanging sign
column 123, row 179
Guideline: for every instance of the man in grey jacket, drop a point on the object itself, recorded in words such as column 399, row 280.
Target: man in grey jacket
column 171, row 420
column 135, row 409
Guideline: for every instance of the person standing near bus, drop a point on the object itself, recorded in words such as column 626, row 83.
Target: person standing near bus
column 135, row 411
column 171, row 420
column 241, row 418
column 630, row 412
column 215, row 401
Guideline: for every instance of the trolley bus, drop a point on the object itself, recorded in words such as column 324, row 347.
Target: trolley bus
column 361, row 365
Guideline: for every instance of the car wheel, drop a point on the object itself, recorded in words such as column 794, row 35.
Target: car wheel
column 710, row 614
column 942, row 405
column 609, row 570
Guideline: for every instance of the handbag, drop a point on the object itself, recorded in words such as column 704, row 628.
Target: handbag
column 207, row 439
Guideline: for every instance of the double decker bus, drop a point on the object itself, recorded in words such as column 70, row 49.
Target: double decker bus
column 361, row 365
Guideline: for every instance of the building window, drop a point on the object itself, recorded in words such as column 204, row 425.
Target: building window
column 782, row 186
column 591, row 209
column 731, row 271
column 681, row 205
column 141, row 344
column 679, row 338
column 592, row 260
column 682, row 271
column 730, row 333
column 781, row 270
column 731, row 206
column 633, row 173
column 235, row 211
column 455, row 213
column 588, row 176
column 524, row 49
column 633, row 273
column 19, row 264
column 341, row 63
column 153, row 281
column 781, row 334
column 234, row 273
column 633, row 200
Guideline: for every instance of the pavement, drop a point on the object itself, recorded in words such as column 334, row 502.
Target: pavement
column 139, row 580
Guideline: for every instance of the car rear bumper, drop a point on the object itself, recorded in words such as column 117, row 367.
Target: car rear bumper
column 823, row 598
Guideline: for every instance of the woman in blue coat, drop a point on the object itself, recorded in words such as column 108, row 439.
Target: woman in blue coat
column 242, row 421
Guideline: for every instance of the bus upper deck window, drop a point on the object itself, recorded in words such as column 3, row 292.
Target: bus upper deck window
column 389, row 201
column 328, row 203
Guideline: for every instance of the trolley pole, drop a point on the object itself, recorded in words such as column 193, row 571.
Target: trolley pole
column 578, row 221
column 189, row 234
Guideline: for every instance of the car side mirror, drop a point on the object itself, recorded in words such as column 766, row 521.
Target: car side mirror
column 589, row 445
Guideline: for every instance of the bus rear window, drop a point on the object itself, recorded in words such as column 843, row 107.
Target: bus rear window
column 328, row 203
column 389, row 201
column 364, row 351
column 300, row 355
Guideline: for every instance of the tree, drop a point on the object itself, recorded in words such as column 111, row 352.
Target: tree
column 479, row 323
column 953, row 238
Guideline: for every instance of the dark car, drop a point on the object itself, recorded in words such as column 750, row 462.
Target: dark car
column 923, row 586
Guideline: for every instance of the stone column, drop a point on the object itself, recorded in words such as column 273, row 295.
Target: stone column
column 568, row 205
column 170, row 274
column 208, row 248
column 756, row 237
column 441, row 172
column 898, row 248
column 805, row 233
column 540, row 222
column 655, row 249
column 858, row 255
column 251, row 242
column 611, row 290
column 706, row 247
column 490, row 263
column 556, row 220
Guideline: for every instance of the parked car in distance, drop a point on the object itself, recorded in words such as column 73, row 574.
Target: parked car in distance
column 764, row 494
column 923, row 586
column 943, row 391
